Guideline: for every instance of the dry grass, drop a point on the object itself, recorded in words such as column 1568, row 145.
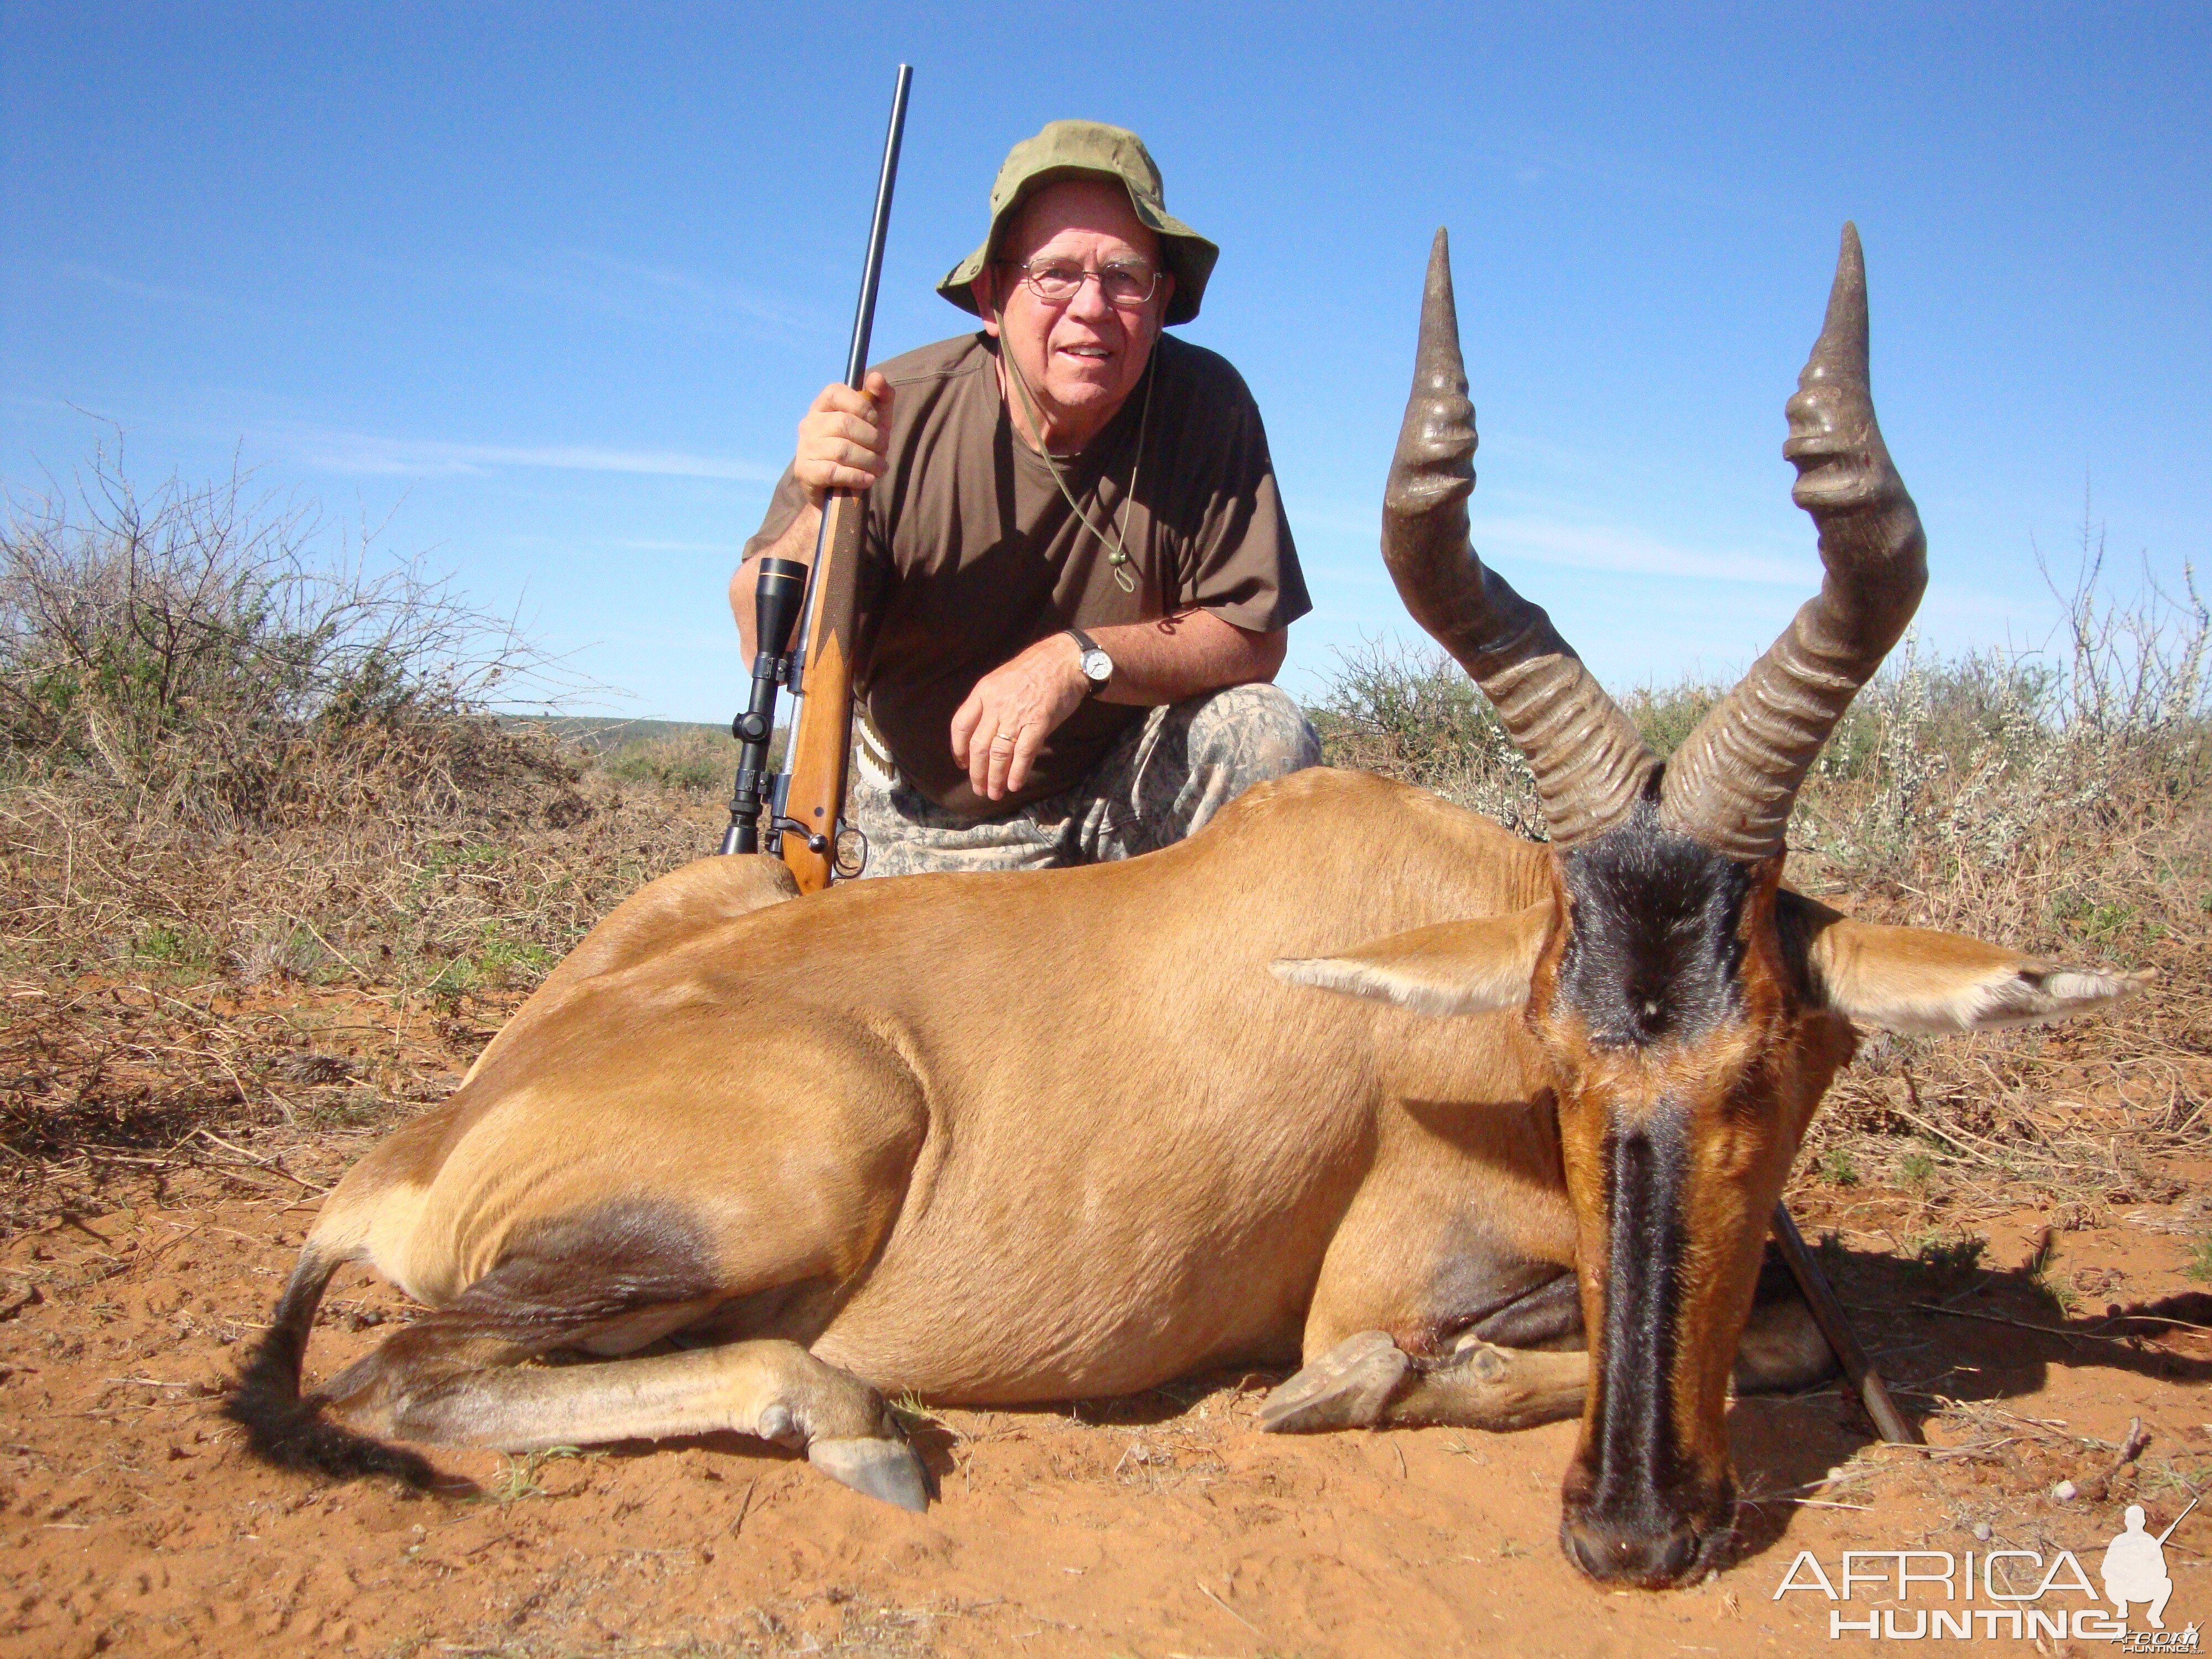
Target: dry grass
column 1416, row 716
column 2064, row 808
column 266, row 865
column 158, row 981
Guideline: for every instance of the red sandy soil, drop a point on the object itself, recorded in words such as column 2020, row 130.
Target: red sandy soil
column 1160, row 1525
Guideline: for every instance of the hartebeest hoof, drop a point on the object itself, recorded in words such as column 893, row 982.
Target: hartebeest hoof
column 888, row 1469
column 1347, row 1387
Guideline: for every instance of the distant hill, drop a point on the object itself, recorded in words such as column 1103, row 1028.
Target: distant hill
column 600, row 736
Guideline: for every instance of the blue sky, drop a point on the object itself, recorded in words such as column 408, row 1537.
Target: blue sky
column 541, row 290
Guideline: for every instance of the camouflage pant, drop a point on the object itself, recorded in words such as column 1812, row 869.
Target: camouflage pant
column 1167, row 776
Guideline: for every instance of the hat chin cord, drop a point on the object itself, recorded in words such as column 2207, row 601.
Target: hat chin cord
column 1117, row 554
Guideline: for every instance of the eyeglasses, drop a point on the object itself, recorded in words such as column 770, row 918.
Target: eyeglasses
column 1057, row 281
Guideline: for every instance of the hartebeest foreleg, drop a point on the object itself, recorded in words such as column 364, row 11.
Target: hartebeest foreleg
column 1367, row 1381
column 774, row 1389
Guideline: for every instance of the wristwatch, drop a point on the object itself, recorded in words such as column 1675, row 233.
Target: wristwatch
column 1097, row 667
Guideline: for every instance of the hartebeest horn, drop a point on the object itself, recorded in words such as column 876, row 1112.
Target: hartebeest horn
column 1589, row 764
column 1733, row 781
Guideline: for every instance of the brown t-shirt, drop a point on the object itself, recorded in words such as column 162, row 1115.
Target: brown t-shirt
column 971, row 553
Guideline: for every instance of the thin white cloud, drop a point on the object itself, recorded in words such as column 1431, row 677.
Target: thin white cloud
column 1539, row 162
column 710, row 296
column 1551, row 539
column 1544, row 540
column 656, row 295
column 131, row 287
column 369, row 455
column 629, row 545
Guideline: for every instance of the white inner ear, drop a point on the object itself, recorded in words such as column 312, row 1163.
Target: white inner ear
column 2025, row 995
column 2034, row 995
column 1421, row 992
column 1454, row 968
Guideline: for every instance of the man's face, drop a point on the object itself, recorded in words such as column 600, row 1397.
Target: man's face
column 1084, row 356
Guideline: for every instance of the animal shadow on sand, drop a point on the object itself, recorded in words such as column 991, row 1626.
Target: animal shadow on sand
column 1937, row 1331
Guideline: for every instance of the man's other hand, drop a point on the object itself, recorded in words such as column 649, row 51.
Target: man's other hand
column 842, row 438
column 997, row 733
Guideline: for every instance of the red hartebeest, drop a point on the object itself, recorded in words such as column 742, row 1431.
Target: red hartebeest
column 1009, row 1138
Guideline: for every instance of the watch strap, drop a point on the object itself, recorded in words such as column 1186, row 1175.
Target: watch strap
column 1086, row 645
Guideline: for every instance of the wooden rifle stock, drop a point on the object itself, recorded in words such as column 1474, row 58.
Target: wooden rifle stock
column 821, row 746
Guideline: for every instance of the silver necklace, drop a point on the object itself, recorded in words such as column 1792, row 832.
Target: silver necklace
column 1117, row 554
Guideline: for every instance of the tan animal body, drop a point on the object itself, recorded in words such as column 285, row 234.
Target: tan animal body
column 1008, row 1138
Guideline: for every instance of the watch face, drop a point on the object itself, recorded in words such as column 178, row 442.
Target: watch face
column 1097, row 667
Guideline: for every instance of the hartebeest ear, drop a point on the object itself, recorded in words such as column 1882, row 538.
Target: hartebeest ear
column 1453, row 967
column 1915, row 979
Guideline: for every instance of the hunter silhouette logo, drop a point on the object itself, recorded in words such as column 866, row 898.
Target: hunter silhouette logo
column 1985, row 1595
column 2134, row 1566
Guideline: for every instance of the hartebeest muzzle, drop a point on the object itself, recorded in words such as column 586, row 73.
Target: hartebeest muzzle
column 1640, row 1504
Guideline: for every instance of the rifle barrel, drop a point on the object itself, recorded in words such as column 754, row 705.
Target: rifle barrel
column 864, row 315
column 821, row 737
column 2177, row 1520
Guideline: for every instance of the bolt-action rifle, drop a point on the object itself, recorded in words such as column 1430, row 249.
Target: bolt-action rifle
column 805, row 802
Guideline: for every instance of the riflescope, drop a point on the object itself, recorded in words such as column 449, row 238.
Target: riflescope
column 776, row 600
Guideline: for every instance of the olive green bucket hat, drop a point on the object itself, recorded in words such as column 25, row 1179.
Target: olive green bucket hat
column 1090, row 150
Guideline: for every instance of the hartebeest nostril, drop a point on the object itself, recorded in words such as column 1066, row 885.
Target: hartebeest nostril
column 1633, row 1555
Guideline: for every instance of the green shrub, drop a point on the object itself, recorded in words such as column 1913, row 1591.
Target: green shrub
column 698, row 762
column 1666, row 714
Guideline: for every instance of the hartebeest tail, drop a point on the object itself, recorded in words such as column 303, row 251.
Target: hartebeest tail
column 289, row 1430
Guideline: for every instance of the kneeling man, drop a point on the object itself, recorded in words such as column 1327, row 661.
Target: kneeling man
column 1076, row 581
